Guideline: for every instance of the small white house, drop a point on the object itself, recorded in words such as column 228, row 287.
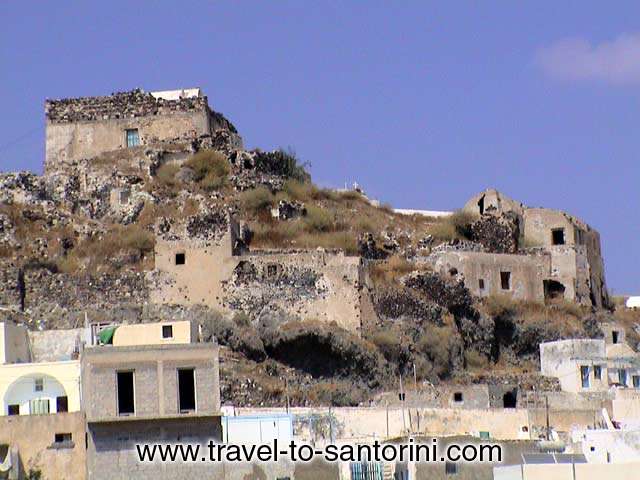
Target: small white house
column 633, row 302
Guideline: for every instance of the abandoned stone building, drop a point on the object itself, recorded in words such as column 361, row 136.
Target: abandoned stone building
column 207, row 268
column 554, row 255
column 84, row 128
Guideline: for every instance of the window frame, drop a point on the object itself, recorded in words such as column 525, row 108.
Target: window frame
column 133, row 391
column 132, row 131
column 170, row 330
column 505, row 275
column 38, row 384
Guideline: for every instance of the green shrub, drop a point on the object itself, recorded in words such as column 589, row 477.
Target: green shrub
column 282, row 162
column 256, row 200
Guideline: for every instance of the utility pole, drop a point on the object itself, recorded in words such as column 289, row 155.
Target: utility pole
column 402, row 405
column 546, row 402
column 286, row 389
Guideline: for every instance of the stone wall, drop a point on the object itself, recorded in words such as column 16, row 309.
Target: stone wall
column 84, row 128
column 58, row 300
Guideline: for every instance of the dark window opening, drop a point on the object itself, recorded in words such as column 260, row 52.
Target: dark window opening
column 181, row 258
column 510, row 399
column 62, row 404
column 272, row 270
column 557, row 236
column 186, row 389
column 453, row 271
column 615, row 336
column 597, row 372
column 126, row 397
column 636, row 381
column 14, row 410
column 481, row 284
column 505, row 280
column 451, row 468
column 481, row 205
column 553, row 290
column 167, row 331
column 401, row 396
column 457, row 397
column 584, row 375
column 62, row 438
column 622, row 377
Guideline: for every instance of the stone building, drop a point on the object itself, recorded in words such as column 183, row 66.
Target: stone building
column 557, row 256
column 158, row 393
column 86, row 127
column 208, row 268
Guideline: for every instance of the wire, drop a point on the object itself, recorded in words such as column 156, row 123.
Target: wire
column 22, row 137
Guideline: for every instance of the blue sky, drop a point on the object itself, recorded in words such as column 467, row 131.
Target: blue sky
column 422, row 103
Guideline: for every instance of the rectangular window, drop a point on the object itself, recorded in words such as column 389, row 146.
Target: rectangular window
column 38, row 385
column 622, row 377
column 481, row 284
column 615, row 336
column 636, row 381
column 39, row 406
column 167, row 331
column 62, row 404
column 457, row 397
column 14, row 410
column 186, row 390
column 584, row 375
column 126, row 395
column 180, row 259
column 505, row 280
column 62, row 438
column 597, row 372
column 133, row 139
column 451, row 468
column 557, row 236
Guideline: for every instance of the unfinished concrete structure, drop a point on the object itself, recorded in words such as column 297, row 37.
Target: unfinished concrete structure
column 558, row 256
column 83, row 128
column 158, row 394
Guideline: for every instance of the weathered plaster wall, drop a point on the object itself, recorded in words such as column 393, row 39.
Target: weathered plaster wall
column 14, row 343
column 309, row 284
column 527, row 272
column 369, row 423
column 474, row 397
column 66, row 142
column 34, row 437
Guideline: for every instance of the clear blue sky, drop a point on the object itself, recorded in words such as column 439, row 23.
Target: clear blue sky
column 422, row 103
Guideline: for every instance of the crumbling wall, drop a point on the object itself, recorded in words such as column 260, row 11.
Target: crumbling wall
column 482, row 273
column 83, row 128
column 309, row 285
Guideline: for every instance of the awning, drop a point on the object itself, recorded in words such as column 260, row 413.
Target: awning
column 106, row 335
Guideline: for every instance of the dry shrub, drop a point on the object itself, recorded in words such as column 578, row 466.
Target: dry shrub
column 435, row 344
column 475, row 360
column 166, row 175
column 344, row 241
column 318, row 219
column 208, row 164
column 389, row 270
column 256, row 200
column 68, row 264
column 454, row 226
